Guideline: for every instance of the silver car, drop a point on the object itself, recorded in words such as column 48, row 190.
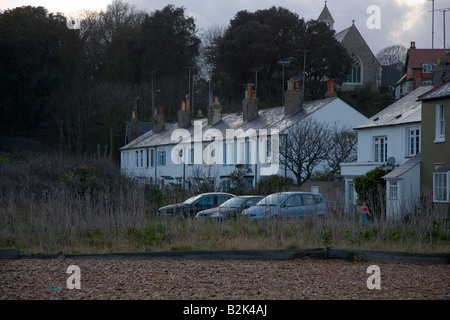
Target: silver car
column 231, row 208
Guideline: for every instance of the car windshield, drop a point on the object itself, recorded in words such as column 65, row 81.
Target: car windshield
column 271, row 200
column 193, row 199
column 233, row 202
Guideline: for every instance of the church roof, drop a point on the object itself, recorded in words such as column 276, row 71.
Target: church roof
column 341, row 35
column 325, row 15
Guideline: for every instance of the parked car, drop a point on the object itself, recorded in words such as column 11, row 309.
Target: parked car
column 191, row 206
column 230, row 208
column 288, row 205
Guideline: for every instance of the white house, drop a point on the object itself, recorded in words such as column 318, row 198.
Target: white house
column 391, row 137
column 213, row 146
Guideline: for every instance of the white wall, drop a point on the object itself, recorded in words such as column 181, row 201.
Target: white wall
column 336, row 112
column 397, row 139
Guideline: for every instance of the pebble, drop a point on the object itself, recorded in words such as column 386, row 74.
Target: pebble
column 168, row 279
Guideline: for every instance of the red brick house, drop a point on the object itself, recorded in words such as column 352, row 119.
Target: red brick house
column 418, row 70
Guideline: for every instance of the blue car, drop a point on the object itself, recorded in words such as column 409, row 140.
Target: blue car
column 289, row 205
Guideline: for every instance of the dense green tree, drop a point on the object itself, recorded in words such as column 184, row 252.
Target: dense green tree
column 37, row 54
column 264, row 38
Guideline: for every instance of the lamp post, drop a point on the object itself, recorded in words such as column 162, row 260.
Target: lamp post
column 283, row 63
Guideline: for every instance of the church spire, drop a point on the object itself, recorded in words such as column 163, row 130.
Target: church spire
column 325, row 16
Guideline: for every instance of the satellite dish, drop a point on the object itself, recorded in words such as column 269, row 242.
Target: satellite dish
column 391, row 161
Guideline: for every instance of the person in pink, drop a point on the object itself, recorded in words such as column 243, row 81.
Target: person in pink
column 363, row 213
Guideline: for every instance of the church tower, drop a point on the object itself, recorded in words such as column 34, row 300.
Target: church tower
column 325, row 16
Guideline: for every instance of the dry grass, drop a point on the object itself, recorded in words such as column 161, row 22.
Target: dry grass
column 84, row 205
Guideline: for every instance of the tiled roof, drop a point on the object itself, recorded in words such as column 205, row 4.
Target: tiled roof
column 405, row 110
column 441, row 91
column 405, row 167
column 273, row 118
column 416, row 57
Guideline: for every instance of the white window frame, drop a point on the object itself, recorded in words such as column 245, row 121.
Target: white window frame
column 441, row 187
column 440, row 123
column 380, row 148
column 161, row 158
column 413, row 141
column 393, row 189
column 426, row 68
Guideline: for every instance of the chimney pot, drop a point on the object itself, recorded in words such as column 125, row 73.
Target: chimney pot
column 413, row 44
column 330, row 89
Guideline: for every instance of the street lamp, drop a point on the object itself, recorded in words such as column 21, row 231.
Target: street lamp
column 283, row 63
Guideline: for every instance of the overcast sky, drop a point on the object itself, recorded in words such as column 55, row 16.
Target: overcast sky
column 400, row 21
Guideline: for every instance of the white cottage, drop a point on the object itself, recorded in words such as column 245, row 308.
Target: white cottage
column 391, row 137
column 213, row 146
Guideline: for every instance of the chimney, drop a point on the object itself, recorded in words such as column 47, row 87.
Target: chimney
column 133, row 126
column 158, row 120
column 250, row 104
column 293, row 97
column 184, row 115
column 214, row 112
column 330, row 89
column 413, row 45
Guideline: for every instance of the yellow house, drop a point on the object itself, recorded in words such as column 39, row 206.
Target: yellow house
column 435, row 163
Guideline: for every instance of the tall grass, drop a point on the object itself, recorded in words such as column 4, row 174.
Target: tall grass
column 52, row 203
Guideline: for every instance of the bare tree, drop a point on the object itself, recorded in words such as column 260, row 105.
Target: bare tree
column 342, row 149
column 305, row 147
column 395, row 54
column 203, row 179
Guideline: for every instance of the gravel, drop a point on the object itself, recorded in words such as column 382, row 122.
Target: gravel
column 186, row 279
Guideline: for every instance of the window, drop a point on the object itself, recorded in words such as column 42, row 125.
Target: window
column 440, row 123
column 441, row 187
column 152, row 158
column 393, row 190
column 380, row 149
column 147, row 157
column 426, row 68
column 355, row 72
column 191, row 156
column 294, row 201
column 230, row 153
column 137, row 159
column 161, row 158
column 268, row 150
column 208, row 154
column 247, row 151
column 413, row 143
column 224, row 153
column 142, row 158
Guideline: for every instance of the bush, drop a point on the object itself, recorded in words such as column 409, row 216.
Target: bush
column 274, row 184
column 371, row 188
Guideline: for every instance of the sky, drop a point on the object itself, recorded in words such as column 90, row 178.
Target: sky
column 382, row 23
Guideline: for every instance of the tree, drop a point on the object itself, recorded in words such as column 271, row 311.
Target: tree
column 38, row 53
column 395, row 54
column 371, row 188
column 305, row 146
column 326, row 58
column 170, row 42
column 263, row 38
column 342, row 150
column 112, row 43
